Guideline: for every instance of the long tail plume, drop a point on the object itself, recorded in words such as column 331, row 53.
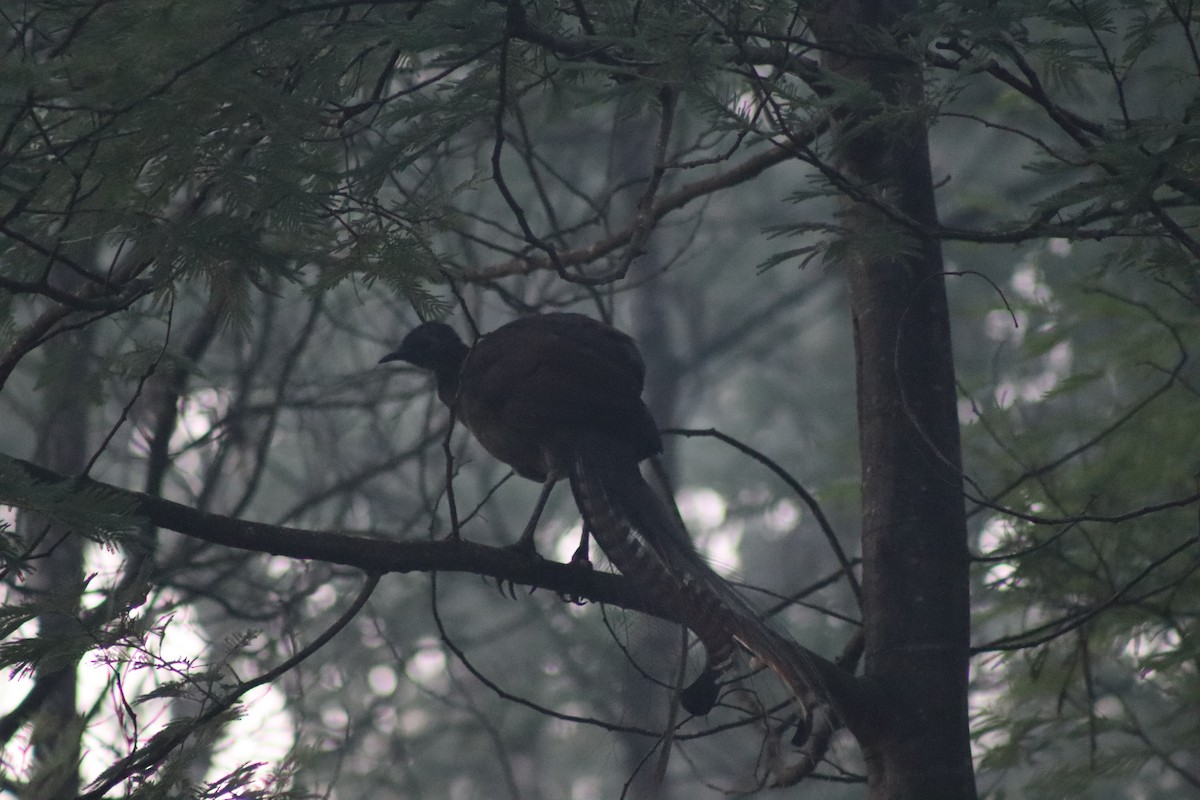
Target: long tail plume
column 646, row 542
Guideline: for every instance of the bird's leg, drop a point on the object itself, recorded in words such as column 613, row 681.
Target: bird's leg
column 580, row 559
column 526, row 543
column 581, row 556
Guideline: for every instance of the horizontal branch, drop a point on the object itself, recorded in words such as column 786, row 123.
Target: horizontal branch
column 367, row 553
column 376, row 556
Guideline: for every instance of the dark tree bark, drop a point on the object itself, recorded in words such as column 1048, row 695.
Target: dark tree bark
column 62, row 444
column 916, row 602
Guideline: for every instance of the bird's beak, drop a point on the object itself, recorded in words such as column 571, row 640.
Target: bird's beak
column 395, row 355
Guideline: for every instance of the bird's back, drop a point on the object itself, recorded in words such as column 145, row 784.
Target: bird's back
column 530, row 389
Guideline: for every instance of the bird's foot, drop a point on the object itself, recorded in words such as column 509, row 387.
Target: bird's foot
column 582, row 554
column 526, row 549
column 580, row 559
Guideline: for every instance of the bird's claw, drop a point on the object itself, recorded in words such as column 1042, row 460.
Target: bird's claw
column 525, row 548
column 580, row 559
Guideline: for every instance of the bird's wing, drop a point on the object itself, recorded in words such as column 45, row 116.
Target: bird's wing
column 556, row 370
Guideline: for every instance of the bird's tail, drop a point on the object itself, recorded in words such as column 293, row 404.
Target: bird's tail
column 646, row 541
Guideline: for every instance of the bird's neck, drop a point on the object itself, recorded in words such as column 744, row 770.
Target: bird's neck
column 447, row 386
column 447, row 376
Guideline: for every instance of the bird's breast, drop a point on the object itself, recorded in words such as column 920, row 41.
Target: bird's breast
column 520, row 448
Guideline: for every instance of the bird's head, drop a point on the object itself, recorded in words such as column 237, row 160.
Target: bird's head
column 430, row 345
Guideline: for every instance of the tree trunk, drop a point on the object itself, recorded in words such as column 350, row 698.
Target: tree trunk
column 915, row 561
column 62, row 445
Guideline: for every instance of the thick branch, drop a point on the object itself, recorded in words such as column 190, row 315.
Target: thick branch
column 380, row 556
column 357, row 550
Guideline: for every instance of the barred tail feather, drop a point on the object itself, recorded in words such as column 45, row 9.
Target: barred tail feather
column 707, row 618
column 646, row 542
